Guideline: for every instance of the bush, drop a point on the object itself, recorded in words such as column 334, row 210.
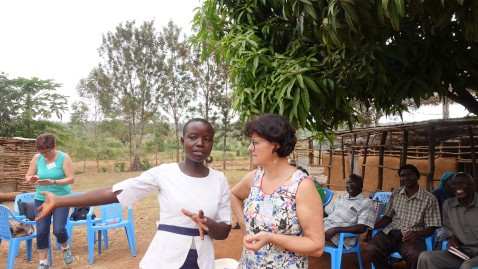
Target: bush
column 104, row 169
column 145, row 165
column 120, row 166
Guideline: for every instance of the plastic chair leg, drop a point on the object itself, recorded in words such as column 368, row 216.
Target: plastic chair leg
column 69, row 230
column 29, row 249
column 12, row 251
column 131, row 240
column 359, row 254
column 50, row 257
column 105, row 238
column 91, row 246
column 100, row 234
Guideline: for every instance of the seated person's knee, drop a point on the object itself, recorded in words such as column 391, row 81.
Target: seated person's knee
column 468, row 265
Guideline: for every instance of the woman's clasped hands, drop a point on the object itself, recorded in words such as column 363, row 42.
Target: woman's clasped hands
column 256, row 241
column 199, row 219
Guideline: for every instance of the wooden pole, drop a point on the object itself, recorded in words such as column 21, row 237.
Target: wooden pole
column 330, row 163
column 473, row 155
column 352, row 161
column 380, row 160
column 8, row 196
column 319, row 161
column 311, row 151
column 403, row 159
column 365, row 151
column 431, row 156
column 343, row 158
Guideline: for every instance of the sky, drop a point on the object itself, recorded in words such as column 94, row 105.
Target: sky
column 59, row 40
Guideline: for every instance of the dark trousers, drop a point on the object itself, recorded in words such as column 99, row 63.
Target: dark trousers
column 381, row 246
column 191, row 261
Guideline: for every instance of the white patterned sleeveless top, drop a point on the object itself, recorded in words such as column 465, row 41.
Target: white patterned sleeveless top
column 274, row 213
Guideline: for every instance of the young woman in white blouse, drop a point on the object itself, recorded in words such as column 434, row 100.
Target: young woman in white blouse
column 194, row 203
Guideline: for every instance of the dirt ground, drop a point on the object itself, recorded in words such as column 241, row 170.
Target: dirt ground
column 146, row 213
column 118, row 254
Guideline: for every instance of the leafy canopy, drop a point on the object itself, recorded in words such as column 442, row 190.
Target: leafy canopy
column 25, row 104
column 314, row 60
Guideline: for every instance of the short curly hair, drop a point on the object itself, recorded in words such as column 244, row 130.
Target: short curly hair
column 410, row 167
column 45, row 141
column 273, row 128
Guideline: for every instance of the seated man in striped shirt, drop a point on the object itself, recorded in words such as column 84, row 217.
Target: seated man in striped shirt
column 411, row 215
column 351, row 212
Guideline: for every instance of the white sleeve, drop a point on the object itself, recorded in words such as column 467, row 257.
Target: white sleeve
column 136, row 188
column 224, row 207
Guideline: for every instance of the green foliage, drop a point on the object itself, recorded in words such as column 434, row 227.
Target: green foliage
column 145, row 164
column 25, row 104
column 128, row 78
column 120, row 166
column 178, row 87
column 313, row 61
column 219, row 155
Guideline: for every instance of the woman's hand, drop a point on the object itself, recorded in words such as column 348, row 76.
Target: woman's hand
column 46, row 182
column 199, row 219
column 256, row 241
column 48, row 206
column 32, row 179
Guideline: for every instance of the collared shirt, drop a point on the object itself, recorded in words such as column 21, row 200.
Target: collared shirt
column 347, row 211
column 462, row 222
column 412, row 213
column 177, row 190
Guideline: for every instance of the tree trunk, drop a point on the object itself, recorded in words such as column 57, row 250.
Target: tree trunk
column 135, row 165
column 446, row 108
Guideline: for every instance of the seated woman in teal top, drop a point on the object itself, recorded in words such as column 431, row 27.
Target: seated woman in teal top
column 51, row 170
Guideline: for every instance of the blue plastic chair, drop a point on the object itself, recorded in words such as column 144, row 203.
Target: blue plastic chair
column 328, row 195
column 6, row 235
column 72, row 223
column 443, row 244
column 396, row 255
column 25, row 197
column 336, row 252
column 383, row 196
column 111, row 218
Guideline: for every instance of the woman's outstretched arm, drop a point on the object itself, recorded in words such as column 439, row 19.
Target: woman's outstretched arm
column 100, row 196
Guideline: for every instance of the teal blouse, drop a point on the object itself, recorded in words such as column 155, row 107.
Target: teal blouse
column 53, row 171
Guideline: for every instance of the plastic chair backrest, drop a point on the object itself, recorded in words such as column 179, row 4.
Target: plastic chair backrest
column 5, row 232
column 328, row 195
column 383, row 196
column 443, row 244
column 25, row 197
column 111, row 213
